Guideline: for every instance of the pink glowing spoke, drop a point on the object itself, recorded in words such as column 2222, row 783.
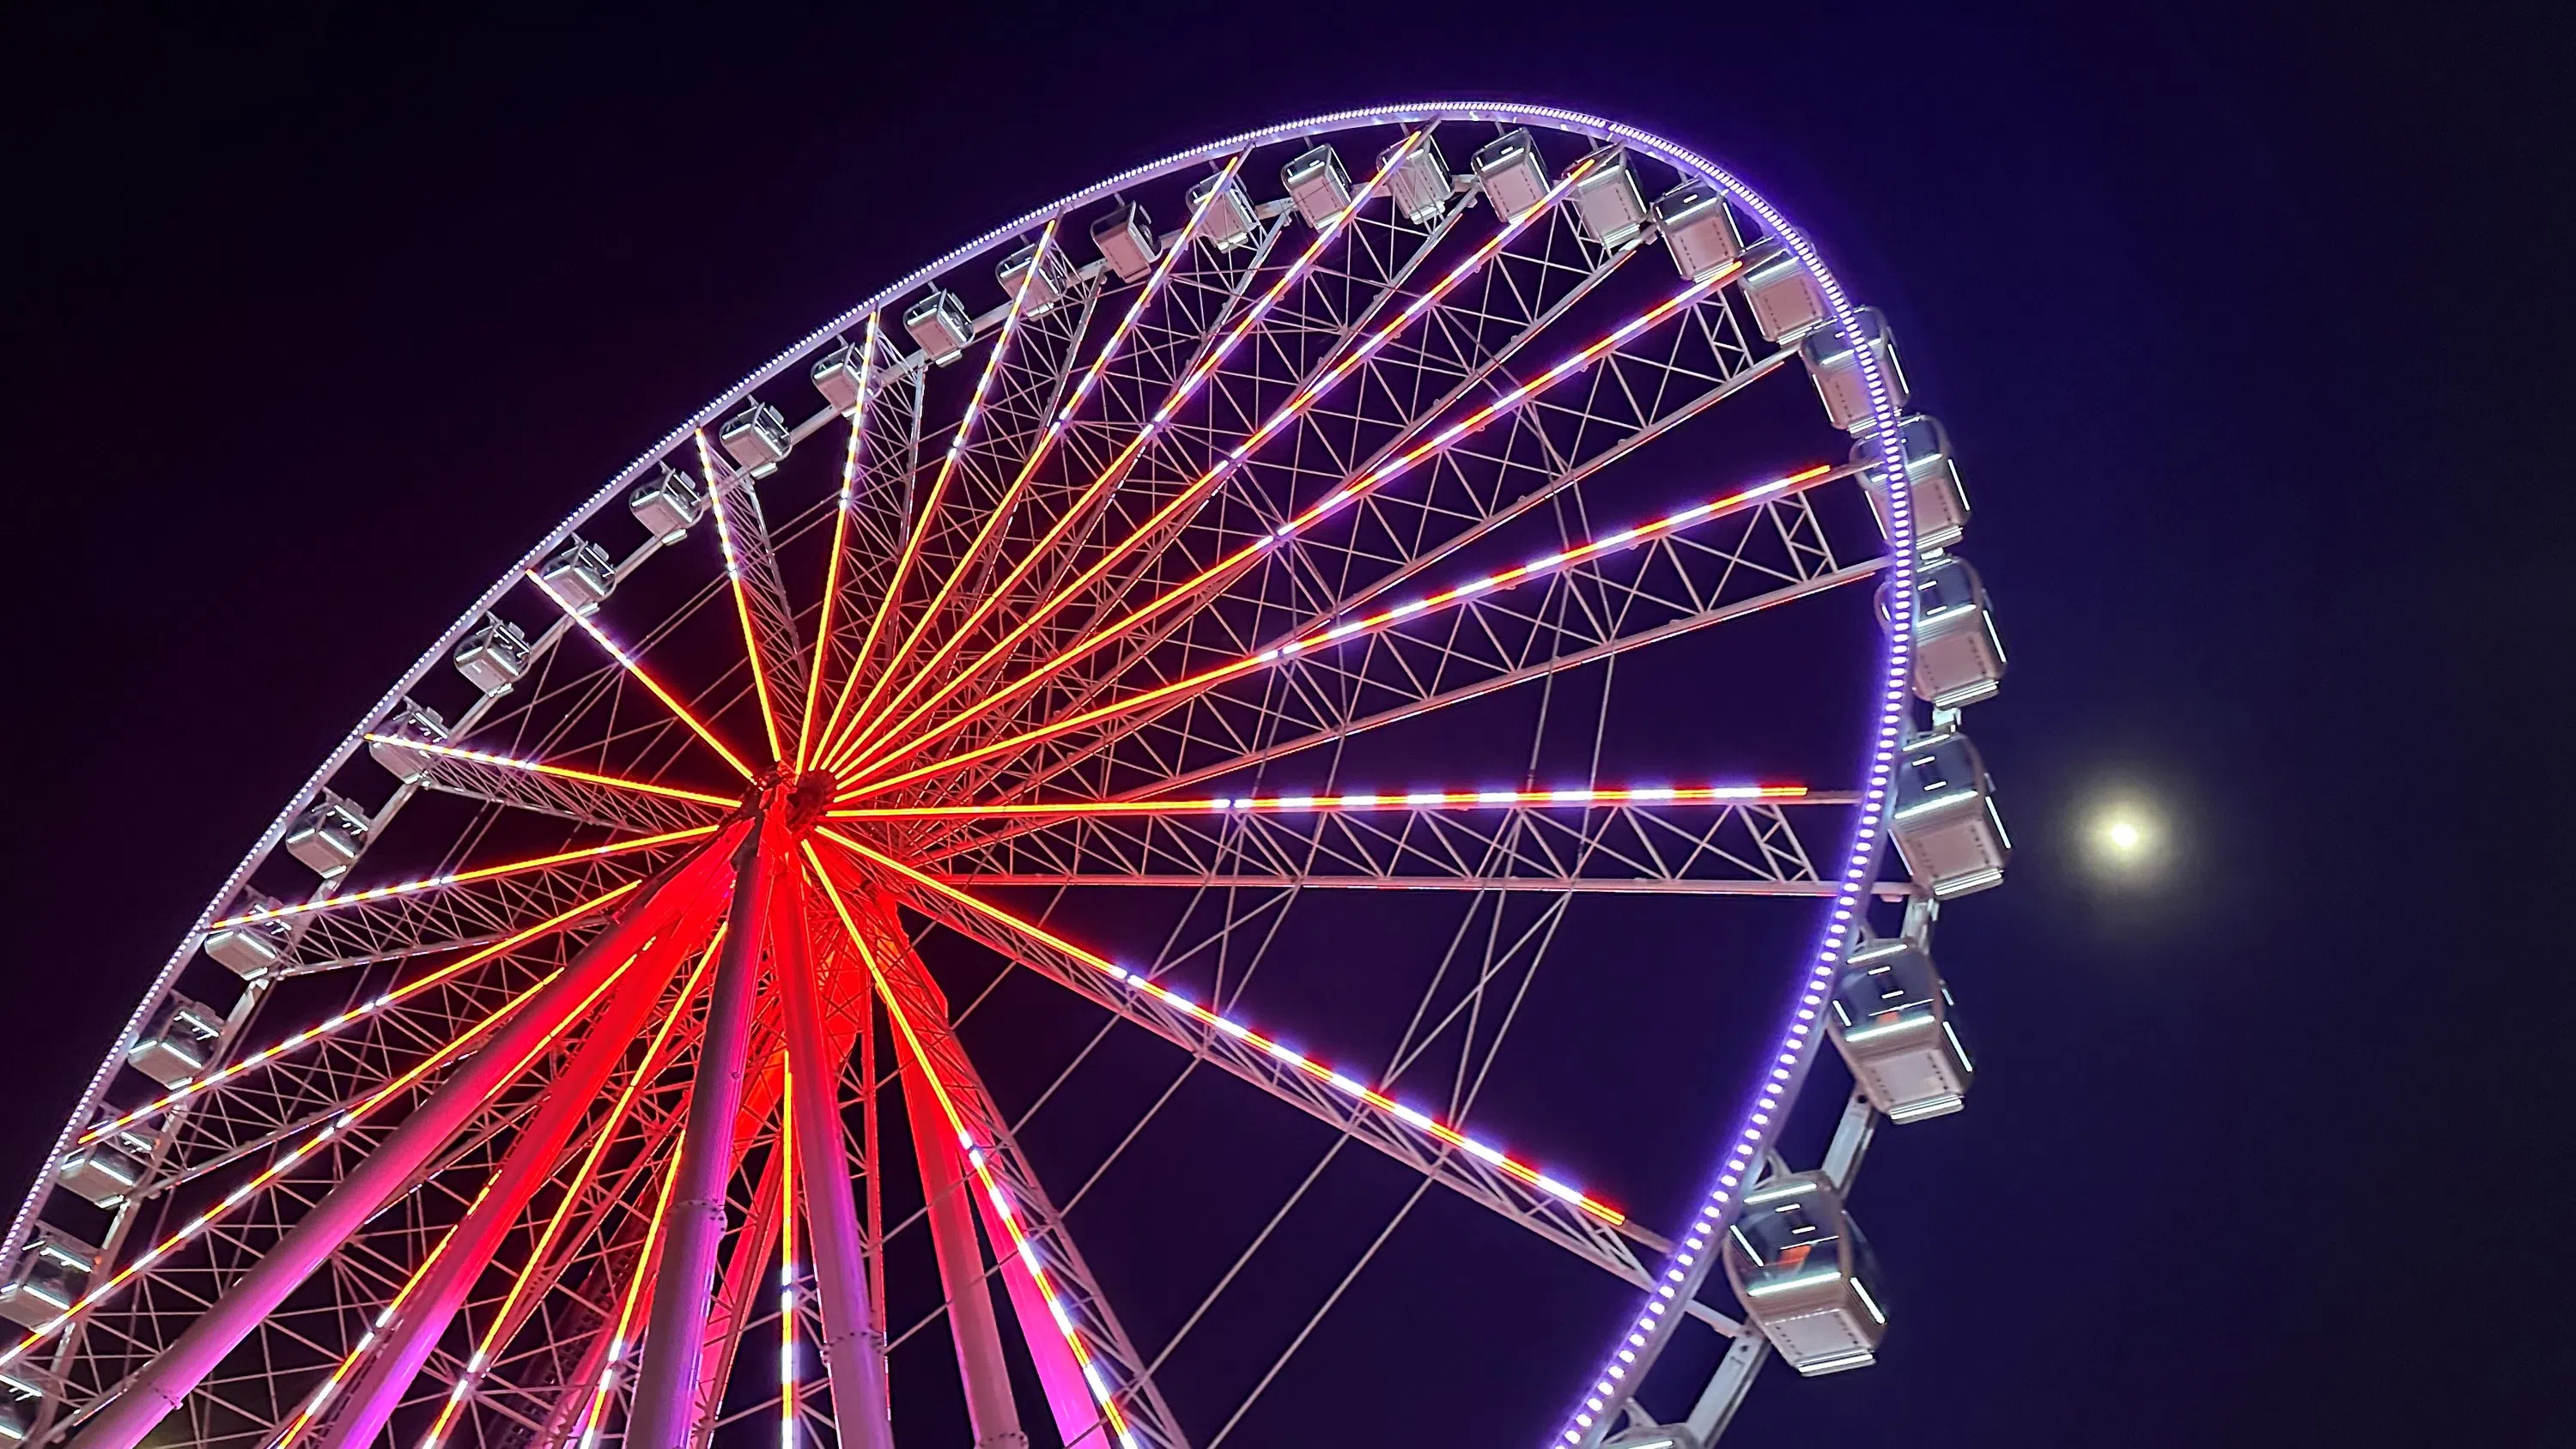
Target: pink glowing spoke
column 1112, row 1415
column 1109, row 351
column 561, row 772
column 358, row 1013
column 1330, row 504
column 806, row 737
column 1127, row 455
column 892, row 603
column 505, row 1319
column 1139, row 984
column 628, row 663
column 466, row 877
column 286, row 1162
column 741, row 595
column 1369, row 624
column 1585, row 797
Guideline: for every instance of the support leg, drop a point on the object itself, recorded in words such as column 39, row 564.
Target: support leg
column 667, row 1383
column 179, row 1368
column 853, row 1347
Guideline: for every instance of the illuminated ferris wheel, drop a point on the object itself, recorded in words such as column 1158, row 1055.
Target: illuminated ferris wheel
column 1233, row 814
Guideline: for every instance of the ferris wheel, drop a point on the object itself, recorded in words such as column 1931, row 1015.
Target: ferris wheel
column 1235, row 812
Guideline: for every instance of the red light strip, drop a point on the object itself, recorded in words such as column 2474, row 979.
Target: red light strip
column 239, row 1195
column 787, row 1394
column 618, row 1342
column 501, row 1318
column 1190, row 383
column 1091, row 376
column 539, row 767
column 629, row 664
column 891, row 604
column 464, row 877
column 360, row 1012
column 1280, row 418
column 741, row 597
column 1331, row 503
column 1310, row 804
column 1505, row 578
column 358, row 1351
column 1027, row 1252
column 805, row 733
column 1349, row 1087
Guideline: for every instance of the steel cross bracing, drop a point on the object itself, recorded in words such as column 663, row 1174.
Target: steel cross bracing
column 908, row 987
column 1730, row 850
column 1312, row 397
column 1769, row 555
column 1267, row 599
column 1559, row 1222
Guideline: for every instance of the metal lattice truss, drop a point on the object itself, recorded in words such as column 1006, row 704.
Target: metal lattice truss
column 531, row 1117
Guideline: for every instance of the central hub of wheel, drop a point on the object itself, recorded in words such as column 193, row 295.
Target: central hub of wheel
column 807, row 799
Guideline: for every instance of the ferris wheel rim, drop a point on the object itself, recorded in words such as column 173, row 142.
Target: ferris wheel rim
column 1858, row 866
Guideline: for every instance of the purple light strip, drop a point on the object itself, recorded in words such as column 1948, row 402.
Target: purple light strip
column 1786, row 1069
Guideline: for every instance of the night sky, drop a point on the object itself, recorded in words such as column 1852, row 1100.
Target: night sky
column 2230, row 309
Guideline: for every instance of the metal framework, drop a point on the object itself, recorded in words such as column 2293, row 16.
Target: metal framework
column 1307, row 612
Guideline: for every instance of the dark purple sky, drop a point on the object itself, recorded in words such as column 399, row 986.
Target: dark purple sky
column 2234, row 311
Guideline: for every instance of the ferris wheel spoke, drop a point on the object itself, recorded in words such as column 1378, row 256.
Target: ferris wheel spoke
column 1346, row 344
column 177, row 1369
column 843, row 510
column 1494, row 645
column 1250, row 553
column 584, row 796
column 1722, row 847
column 1111, row 351
column 412, row 916
column 929, row 518
column 635, row 668
column 769, row 639
column 1550, row 449
column 511, row 1314
column 1096, row 1384
column 1382, row 631
column 1483, row 1174
column 1123, row 465
column 1446, row 344
column 1034, row 381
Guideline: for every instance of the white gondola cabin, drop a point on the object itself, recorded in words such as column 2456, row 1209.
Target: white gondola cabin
column 1958, row 657
column 1787, row 304
column 668, row 506
column 177, row 1041
column 836, row 376
column 1945, row 823
column 329, row 836
column 1419, row 183
column 398, row 737
column 1318, row 185
column 1805, row 1275
column 581, row 574
column 1699, row 229
column 1606, row 201
column 48, row 1279
column 1514, row 176
column 1228, row 220
column 1833, row 362
column 1038, row 277
column 1893, row 1021
column 938, row 324
column 758, row 438
column 107, row 1170
column 252, row 949
column 493, row 656
column 1938, row 501
column 1125, row 237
